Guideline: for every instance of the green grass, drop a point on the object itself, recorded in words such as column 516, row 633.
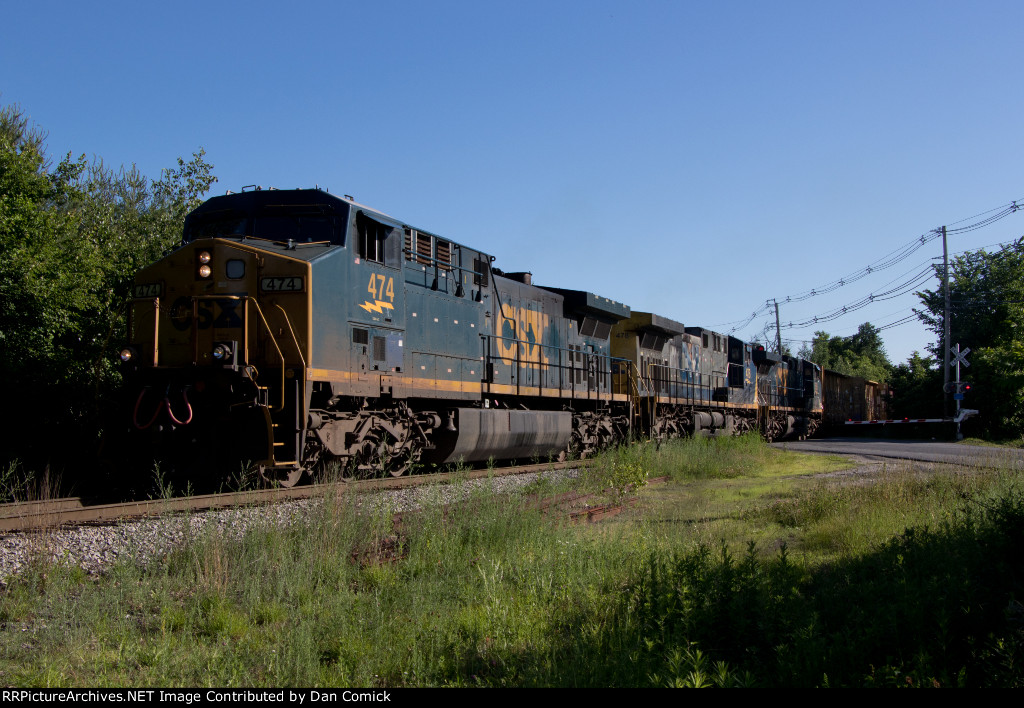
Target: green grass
column 980, row 442
column 749, row 567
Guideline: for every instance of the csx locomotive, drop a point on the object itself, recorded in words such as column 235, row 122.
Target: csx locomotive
column 293, row 328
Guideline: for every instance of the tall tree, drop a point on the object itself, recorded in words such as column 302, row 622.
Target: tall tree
column 862, row 354
column 986, row 298
column 987, row 315
column 71, row 238
column 916, row 388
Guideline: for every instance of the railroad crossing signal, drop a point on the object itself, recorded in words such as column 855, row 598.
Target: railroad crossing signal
column 958, row 389
column 959, row 356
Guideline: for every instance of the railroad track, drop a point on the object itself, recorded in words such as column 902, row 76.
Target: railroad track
column 34, row 515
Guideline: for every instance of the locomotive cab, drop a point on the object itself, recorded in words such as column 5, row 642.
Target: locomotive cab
column 219, row 333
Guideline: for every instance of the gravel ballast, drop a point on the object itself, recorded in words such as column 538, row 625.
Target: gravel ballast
column 95, row 548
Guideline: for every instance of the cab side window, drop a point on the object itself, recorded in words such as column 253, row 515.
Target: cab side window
column 378, row 242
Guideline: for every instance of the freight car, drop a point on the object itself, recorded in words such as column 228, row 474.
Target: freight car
column 292, row 328
column 851, row 398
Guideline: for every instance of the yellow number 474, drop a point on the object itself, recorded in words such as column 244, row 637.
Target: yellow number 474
column 376, row 287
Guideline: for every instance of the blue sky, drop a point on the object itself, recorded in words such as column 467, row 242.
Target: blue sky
column 691, row 159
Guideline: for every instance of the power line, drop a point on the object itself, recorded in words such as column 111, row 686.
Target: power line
column 1011, row 205
column 906, row 320
column 887, row 261
column 897, row 323
column 1004, row 212
column 919, row 277
column 883, row 263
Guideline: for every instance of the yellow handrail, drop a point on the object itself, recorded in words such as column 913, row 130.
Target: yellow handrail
column 295, row 340
column 273, row 339
column 245, row 331
column 156, row 330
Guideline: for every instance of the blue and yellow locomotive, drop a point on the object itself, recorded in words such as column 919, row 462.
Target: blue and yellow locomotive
column 693, row 380
column 293, row 328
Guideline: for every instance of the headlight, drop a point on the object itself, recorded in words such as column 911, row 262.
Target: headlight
column 127, row 354
column 225, row 353
column 204, row 256
column 204, row 271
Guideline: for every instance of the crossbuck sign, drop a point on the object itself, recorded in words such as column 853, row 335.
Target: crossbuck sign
column 959, row 357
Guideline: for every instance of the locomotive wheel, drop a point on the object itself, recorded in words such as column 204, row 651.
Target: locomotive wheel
column 577, row 449
column 284, row 477
column 402, row 461
column 349, row 471
column 372, row 458
column 291, row 478
column 396, row 463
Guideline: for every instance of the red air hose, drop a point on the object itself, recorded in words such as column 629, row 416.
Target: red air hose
column 135, row 414
column 184, row 396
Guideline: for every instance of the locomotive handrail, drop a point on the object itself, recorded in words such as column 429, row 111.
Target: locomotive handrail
column 646, row 380
column 295, row 340
column 273, row 339
column 156, row 330
column 245, row 331
column 776, row 395
column 690, row 383
column 560, row 366
column 517, row 359
column 156, row 322
column 636, row 380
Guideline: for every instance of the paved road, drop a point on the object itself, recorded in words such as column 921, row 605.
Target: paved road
column 922, row 450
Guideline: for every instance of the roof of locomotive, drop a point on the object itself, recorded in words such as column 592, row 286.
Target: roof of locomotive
column 271, row 195
column 649, row 320
column 250, row 201
column 261, row 200
column 582, row 301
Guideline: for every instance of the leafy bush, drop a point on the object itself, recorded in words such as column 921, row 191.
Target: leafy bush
column 71, row 239
column 929, row 607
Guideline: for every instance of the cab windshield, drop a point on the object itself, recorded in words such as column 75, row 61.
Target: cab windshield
column 218, row 224
column 283, row 224
column 295, row 225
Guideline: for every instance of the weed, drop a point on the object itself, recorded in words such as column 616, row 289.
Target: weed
column 246, row 478
column 162, row 486
column 924, row 590
column 20, row 484
column 622, row 470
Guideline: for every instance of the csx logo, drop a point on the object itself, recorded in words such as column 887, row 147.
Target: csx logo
column 523, row 327
column 220, row 313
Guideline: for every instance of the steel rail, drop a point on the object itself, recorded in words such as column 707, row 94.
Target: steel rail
column 48, row 514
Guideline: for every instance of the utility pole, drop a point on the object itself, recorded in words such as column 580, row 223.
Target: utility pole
column 945, row 318
column 778, row 329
